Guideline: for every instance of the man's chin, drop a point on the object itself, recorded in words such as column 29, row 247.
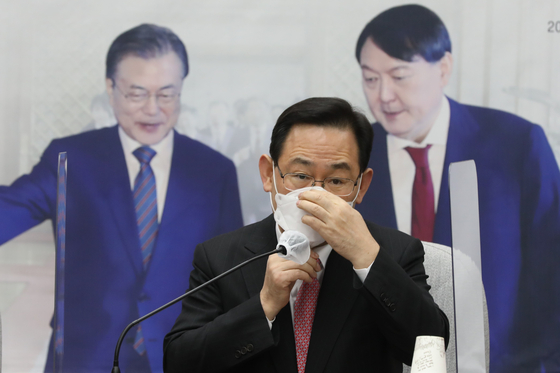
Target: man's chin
column 149, row 138
column 399, row 128
column 393, row 128
column 393, row 117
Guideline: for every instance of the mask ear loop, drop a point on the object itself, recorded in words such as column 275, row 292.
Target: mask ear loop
column 359, row 186
column 275, row 188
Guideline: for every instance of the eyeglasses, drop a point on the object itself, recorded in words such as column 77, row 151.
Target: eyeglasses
column 339, row 186
column 140, row 96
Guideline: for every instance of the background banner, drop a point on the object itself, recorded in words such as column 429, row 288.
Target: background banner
column 249, row 60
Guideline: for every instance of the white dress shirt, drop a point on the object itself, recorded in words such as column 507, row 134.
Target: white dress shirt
column 160, row 163
column 402, row 168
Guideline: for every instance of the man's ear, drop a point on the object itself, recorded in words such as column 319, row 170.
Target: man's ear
column 366, row 181
column 266, row 170
column 446, row 66
column 109, row 86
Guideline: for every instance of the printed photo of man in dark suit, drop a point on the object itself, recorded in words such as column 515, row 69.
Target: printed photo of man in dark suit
column 140, row 197
column 405, row 57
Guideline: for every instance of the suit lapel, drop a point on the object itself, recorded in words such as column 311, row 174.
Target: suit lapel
column 120, row 199
column 333, row 309
column 179, row 207
column 463, row 130
column 263, row 240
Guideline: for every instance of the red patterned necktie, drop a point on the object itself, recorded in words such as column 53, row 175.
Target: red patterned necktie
column 423, row 212
column 304, row 312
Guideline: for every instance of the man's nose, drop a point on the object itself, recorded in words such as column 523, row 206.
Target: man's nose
column 386, row 90
column 151, row 106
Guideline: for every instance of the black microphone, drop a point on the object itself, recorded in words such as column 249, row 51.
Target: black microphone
column 279, row 249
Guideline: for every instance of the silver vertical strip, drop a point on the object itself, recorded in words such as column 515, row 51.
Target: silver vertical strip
column 467, row 275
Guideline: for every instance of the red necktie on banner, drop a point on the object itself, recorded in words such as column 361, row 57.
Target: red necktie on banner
column 304, row 312
column 423, row 211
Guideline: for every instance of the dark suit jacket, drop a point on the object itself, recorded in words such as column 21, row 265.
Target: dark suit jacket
column 106, row 287
column 357, row 327
column 519, row 205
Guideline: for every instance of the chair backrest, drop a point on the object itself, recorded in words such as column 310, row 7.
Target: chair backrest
column 0, row 345
column 438, row 265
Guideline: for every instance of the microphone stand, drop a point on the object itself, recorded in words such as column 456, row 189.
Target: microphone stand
column 116, row 369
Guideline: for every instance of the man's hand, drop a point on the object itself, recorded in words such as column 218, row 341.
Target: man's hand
column 281, row 275
column 340, row 225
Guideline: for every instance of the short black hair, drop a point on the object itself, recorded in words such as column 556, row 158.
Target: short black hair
column 146, row 41
column 406, row 31
column 326, row 112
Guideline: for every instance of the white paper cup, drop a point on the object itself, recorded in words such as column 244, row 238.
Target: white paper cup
column 429, row 355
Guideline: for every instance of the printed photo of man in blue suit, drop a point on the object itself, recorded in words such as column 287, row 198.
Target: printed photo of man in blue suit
column 405, row 57
column 140, row 197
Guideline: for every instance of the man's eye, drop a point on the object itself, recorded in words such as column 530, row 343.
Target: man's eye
column 335, row 182
column 137, row 95
column 301, row 177
column 165, row 97
column 166, row 93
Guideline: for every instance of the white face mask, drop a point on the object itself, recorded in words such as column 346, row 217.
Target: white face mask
column 288, row 215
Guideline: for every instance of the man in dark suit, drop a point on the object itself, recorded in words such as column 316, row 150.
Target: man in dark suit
column 356, row 305
column 132, row 223
column 405, row 57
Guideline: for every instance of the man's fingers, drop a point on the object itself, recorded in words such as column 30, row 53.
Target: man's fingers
column 317, row 197
column 314, row 264
column 281, row 274
column 314, row 222
column 311, row 267
column 313, row 208
column 306, row 278
column 285, row 271
column 287, row 278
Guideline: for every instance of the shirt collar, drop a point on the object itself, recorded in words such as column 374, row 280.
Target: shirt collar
column 163, row 148
column 436, row 136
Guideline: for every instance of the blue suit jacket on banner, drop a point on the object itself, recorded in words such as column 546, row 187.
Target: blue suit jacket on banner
column 519, row 204
column 106, row 286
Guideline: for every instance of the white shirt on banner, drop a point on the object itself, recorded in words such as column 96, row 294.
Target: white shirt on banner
column 402, row 169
